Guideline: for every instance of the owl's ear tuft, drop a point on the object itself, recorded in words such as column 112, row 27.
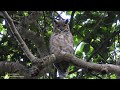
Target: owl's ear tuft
column 66, row 21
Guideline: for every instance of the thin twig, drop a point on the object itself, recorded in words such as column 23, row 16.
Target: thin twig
column 89, row 36
column 71, row 19
column 95, row 52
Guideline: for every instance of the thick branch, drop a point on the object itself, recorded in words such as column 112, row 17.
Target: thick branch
column 48, row 60
column 107, row 68
column 41, row 64
column 14, row 67
column 18, row 37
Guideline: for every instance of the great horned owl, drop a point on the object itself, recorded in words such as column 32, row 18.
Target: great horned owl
column 61, row 41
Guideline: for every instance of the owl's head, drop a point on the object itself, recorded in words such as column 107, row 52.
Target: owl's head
column 61, row 25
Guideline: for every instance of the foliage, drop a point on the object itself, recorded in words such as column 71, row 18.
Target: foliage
column 93, row 31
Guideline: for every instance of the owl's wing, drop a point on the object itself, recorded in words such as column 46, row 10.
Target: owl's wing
column 69, row 43
column 54, row 44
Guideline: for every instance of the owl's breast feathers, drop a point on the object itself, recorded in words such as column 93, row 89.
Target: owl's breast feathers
column 61, row 42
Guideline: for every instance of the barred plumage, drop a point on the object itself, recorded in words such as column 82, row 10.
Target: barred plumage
column 61, row 41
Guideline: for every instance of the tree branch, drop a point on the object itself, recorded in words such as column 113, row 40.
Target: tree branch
column 14, row 67
column 48, row 60
column 103, row 68
column 38, row 40
column 38, row 69
column 95, row 52
column 107, row 68
column 41, row 64
column 71, row 19
column 18, row 37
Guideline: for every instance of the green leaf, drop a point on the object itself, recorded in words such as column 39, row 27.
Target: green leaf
column 80, row 47
column 26, row 13
column 1, row 28
column 68, row 12
column 113, row 76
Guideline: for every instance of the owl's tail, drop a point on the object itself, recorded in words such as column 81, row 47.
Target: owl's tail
column 62, row 69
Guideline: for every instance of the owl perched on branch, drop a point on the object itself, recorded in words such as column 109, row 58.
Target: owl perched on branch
column 61, row 41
